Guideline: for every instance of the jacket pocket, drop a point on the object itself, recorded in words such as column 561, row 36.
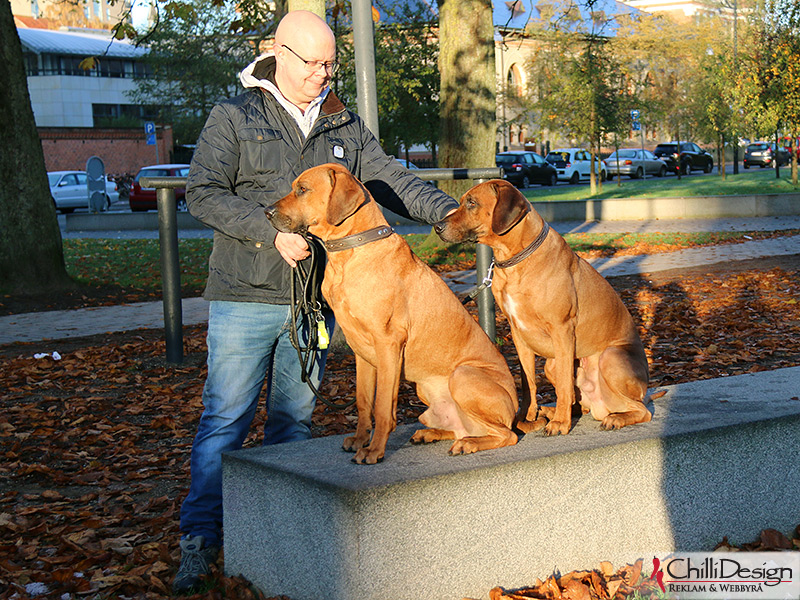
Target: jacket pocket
column 260, row 150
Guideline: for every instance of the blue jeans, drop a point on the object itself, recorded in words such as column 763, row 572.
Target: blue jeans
column 248, row 345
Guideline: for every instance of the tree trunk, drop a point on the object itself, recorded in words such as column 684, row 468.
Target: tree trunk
column 315, row 6
column 31, row 256
column 468, row 105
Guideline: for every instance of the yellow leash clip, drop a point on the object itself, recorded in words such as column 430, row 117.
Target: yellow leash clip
column 322, row 334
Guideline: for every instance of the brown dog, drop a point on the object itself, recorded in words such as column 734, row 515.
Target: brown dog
column 399, row 318
column 558, row 307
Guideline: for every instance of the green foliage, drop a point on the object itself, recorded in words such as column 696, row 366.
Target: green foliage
column 193, row 63
column 581, row 91
column 406, row 73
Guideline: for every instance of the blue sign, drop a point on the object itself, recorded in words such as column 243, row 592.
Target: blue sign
column 636, row 126
column 151, row 139
column 149, row 127
column 635, row 115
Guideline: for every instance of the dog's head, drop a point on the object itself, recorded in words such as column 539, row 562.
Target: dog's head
column 487, row 210
column 321, row 199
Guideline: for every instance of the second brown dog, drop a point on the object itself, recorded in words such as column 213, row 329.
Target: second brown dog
column 559, row 307
column 399, row 318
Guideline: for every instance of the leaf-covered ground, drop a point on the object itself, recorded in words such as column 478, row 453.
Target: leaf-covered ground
column 95, row 446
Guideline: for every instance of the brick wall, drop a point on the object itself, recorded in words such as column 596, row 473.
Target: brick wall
column 122, row 150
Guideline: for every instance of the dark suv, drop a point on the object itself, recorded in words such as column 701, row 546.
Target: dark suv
column 691, row 157
column 762, row 154
column 523, row 168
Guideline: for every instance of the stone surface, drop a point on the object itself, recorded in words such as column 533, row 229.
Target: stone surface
column 719, row 458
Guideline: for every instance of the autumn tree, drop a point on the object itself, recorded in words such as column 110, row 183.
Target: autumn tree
column 713, row 98
column 193, row 63
column 407, row 76
column 581, row 94
column 770, row 83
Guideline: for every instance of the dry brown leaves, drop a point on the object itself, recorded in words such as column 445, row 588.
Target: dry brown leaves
column 604, row 583
column 95, row 447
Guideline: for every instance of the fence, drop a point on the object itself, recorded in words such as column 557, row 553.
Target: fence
column 170, row 261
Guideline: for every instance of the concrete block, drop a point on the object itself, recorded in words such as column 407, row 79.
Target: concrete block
column 719, row 458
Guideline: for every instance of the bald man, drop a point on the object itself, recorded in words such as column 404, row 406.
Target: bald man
column 251, row 149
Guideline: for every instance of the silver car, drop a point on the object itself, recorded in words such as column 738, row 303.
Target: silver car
column 634, row 162
column 69, row 190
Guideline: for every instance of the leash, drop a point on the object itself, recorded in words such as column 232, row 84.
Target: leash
column 485, row 284
column 308, row 303
column 307, row 307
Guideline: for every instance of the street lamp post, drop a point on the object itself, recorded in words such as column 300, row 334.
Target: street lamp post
column 735, row 70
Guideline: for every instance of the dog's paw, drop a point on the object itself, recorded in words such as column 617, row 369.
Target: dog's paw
column 528, row 426
column 614, row 422
column 365, row 456
column 557, row 428
column 462, row 446
column 426, row 436
column 354, row 443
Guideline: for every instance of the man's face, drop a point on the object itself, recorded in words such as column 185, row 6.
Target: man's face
column 299, row 85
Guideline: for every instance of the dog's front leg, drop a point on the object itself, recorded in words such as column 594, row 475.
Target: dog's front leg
column 366, row 376
column 528, row 418
column 385, row 405
column 561, row 373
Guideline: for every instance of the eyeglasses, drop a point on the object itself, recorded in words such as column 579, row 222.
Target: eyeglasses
column 313, row 65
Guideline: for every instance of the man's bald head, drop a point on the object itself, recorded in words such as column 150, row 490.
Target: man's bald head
column 298, row 26
column 302, row 39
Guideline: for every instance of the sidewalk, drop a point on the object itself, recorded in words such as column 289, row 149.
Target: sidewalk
column 55, row 325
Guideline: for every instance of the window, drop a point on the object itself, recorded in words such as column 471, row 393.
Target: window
column 514, row 85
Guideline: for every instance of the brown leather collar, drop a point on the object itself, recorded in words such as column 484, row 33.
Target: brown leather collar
column 359, row 239
column 530, row 249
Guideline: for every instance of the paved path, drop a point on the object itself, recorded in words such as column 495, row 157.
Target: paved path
column 55, row 325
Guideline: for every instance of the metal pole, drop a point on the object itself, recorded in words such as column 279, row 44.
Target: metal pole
column 170, row 273
column 366, row 87
column 485, row 300
column 735, row 71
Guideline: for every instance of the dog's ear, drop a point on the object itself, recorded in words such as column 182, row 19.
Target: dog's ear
column 347, row 196
column 510, row 208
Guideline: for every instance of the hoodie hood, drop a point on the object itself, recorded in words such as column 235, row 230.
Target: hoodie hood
column 259, row 72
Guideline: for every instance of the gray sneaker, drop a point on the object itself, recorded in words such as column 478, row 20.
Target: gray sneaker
column 196, row 561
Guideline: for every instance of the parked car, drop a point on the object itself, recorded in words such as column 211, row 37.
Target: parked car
column 635, row 163
column 406, row 163
column 691, row 157
column 69, row 190
column 523, row 168
column 141, row 198
column 762, row 154
column 574, row 164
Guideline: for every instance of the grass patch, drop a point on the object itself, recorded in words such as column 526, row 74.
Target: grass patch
column 136, row 263
column 760, row 181
column 133, row 263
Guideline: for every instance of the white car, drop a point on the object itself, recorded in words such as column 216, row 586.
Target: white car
column 574, row 164
column 69, row 190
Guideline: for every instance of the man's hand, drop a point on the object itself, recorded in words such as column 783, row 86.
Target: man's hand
column 292, row 246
